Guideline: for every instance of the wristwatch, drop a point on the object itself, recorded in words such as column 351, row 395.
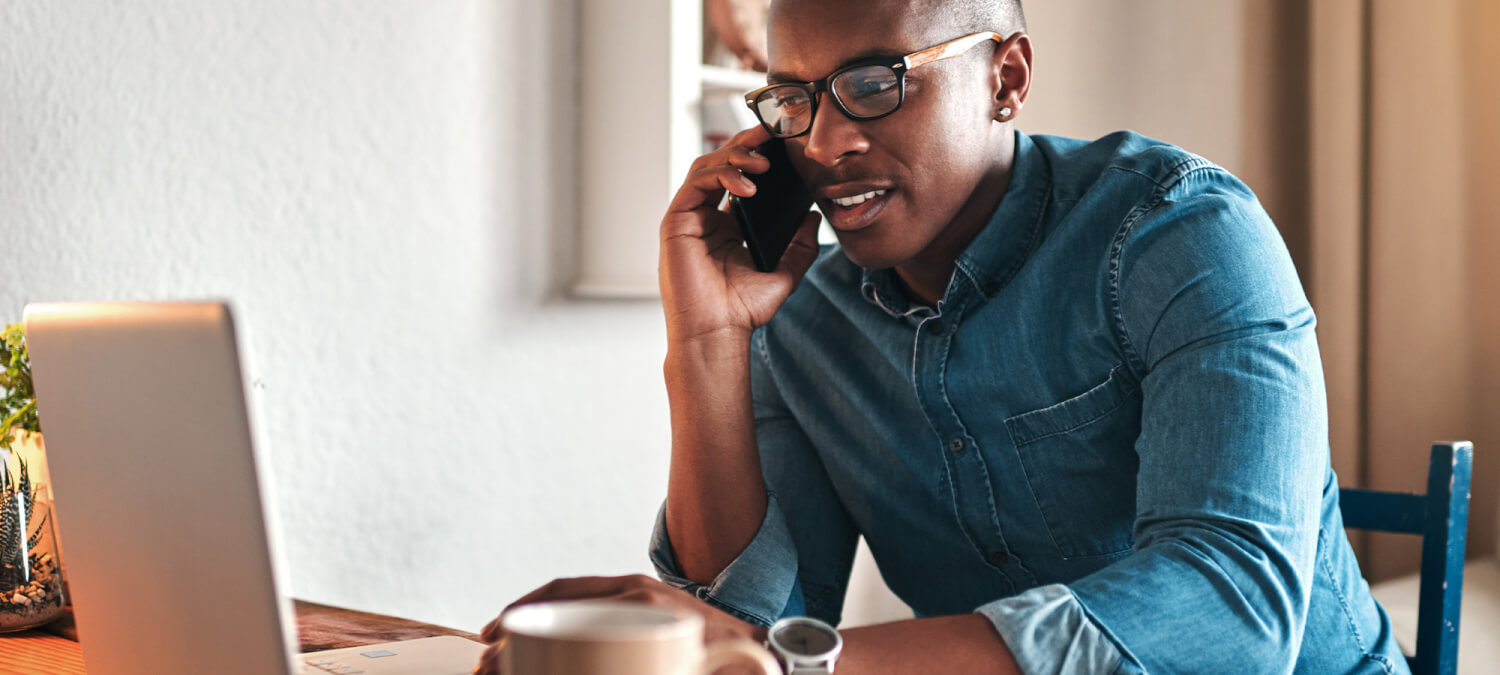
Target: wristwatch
column 804, row 645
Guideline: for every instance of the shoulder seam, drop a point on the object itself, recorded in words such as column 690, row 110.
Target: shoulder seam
column 1175, row 174
column 1188, row 166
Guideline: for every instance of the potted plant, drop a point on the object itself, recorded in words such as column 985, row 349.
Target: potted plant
column 30, row 565
column 20, row 429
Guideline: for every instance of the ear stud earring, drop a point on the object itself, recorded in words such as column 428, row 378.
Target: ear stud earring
column 1005, row 112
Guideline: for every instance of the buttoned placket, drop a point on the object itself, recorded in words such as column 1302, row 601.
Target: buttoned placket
column 968, row 473
column 980, row 273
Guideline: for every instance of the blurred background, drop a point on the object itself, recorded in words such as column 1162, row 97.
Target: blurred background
column 436, row 221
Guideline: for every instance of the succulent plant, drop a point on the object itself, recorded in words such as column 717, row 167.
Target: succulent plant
column 17, row 502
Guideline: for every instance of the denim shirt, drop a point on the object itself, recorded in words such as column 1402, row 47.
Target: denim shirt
column 1109, row 437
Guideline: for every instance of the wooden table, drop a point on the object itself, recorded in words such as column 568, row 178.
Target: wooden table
column 54, row 649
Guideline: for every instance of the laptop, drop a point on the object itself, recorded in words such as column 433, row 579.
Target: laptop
column 163, row 501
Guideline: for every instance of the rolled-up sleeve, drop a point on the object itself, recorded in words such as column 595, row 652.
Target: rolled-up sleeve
column 1048, row 631
column 791, row 567
column 757, row 586
column 1233, row 455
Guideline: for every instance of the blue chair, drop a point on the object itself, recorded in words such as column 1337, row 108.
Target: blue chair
column 1441, row 518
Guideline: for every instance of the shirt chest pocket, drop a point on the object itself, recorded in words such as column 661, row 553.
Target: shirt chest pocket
column 1080, row 463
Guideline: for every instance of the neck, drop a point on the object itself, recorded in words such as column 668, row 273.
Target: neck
column 927, row 274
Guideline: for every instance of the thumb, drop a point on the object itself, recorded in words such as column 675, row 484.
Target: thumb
column 803, row 250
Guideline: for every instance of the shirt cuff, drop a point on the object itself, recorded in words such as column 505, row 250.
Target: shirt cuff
column 1048, row 631
column 758, row 586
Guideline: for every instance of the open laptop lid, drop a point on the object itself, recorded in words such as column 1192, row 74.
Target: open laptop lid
column 158, row 491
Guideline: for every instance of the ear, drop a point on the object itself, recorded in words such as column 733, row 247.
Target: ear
column 1010, row 76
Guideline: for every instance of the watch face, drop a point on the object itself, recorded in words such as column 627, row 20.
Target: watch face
column 804, row 639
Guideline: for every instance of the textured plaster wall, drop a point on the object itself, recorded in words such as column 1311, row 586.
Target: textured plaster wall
column 385, row 200
column 384, row 190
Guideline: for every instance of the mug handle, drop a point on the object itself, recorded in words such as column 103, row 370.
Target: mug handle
column 739, row 650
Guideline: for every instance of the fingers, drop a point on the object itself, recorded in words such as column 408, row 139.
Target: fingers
column 753, row 137
column 639, row 589
column 723, row 169
column 634, row 588
column 579, row 588
column 715, row 173
column 803, row 250
column 567, row 589
column 491, row 632
column 745, row 157
column 489, row 661
column 706, row 186
column 558, row 589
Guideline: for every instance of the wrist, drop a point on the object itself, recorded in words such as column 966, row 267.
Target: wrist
column 722, row 345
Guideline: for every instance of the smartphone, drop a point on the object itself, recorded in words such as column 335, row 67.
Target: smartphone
column 769, row 219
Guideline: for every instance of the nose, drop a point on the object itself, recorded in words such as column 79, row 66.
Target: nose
column 833, row 136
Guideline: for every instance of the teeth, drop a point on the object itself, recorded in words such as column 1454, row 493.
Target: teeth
column 857, row 199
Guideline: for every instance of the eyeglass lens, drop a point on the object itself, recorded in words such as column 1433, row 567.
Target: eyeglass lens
column 785, row 110
column 864, row 92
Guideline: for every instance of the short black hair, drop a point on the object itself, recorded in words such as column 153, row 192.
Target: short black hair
column 961, row 16
column 972, row 16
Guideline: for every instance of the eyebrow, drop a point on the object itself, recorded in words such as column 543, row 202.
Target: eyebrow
column 779, row 77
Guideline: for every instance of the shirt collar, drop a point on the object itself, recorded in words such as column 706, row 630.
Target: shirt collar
column 998, row 252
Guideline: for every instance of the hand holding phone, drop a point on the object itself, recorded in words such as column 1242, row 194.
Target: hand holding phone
column 710, row 280
column 770, row 218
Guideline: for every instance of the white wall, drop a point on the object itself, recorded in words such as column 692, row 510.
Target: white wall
column 380, row 186
column 1170, row 69
column 384, row 189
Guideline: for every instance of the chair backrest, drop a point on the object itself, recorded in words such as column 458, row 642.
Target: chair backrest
column 1441, row 518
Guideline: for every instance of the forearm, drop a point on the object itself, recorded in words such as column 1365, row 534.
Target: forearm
column 716, row 497
column 965, row 643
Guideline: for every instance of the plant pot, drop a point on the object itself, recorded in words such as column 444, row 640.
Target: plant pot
column 27, row 446
column 31, row 592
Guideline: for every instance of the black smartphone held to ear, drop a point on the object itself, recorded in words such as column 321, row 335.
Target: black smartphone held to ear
column 769, row 219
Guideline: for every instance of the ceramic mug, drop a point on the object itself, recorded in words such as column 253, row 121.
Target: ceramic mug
column 585, row 637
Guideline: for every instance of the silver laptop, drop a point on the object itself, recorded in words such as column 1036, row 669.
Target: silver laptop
column 163, row 504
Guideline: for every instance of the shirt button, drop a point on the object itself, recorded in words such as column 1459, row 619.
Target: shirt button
column 935, row 327
column 956, row 445
column 998, row 558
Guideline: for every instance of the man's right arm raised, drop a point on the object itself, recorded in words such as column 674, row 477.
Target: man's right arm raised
column 713, row 299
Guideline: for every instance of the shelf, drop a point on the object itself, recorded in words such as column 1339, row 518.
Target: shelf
column 718, row 79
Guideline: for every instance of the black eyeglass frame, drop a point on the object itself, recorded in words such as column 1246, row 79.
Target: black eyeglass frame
column 917, row 58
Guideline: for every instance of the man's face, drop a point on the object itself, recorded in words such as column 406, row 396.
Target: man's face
column 924, row 160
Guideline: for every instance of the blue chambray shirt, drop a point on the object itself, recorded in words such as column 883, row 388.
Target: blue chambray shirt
column 1109, row 437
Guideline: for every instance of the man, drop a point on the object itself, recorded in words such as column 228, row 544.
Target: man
column 1069, row 392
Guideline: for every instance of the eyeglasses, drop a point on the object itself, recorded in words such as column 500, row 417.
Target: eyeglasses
column 867, row 90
